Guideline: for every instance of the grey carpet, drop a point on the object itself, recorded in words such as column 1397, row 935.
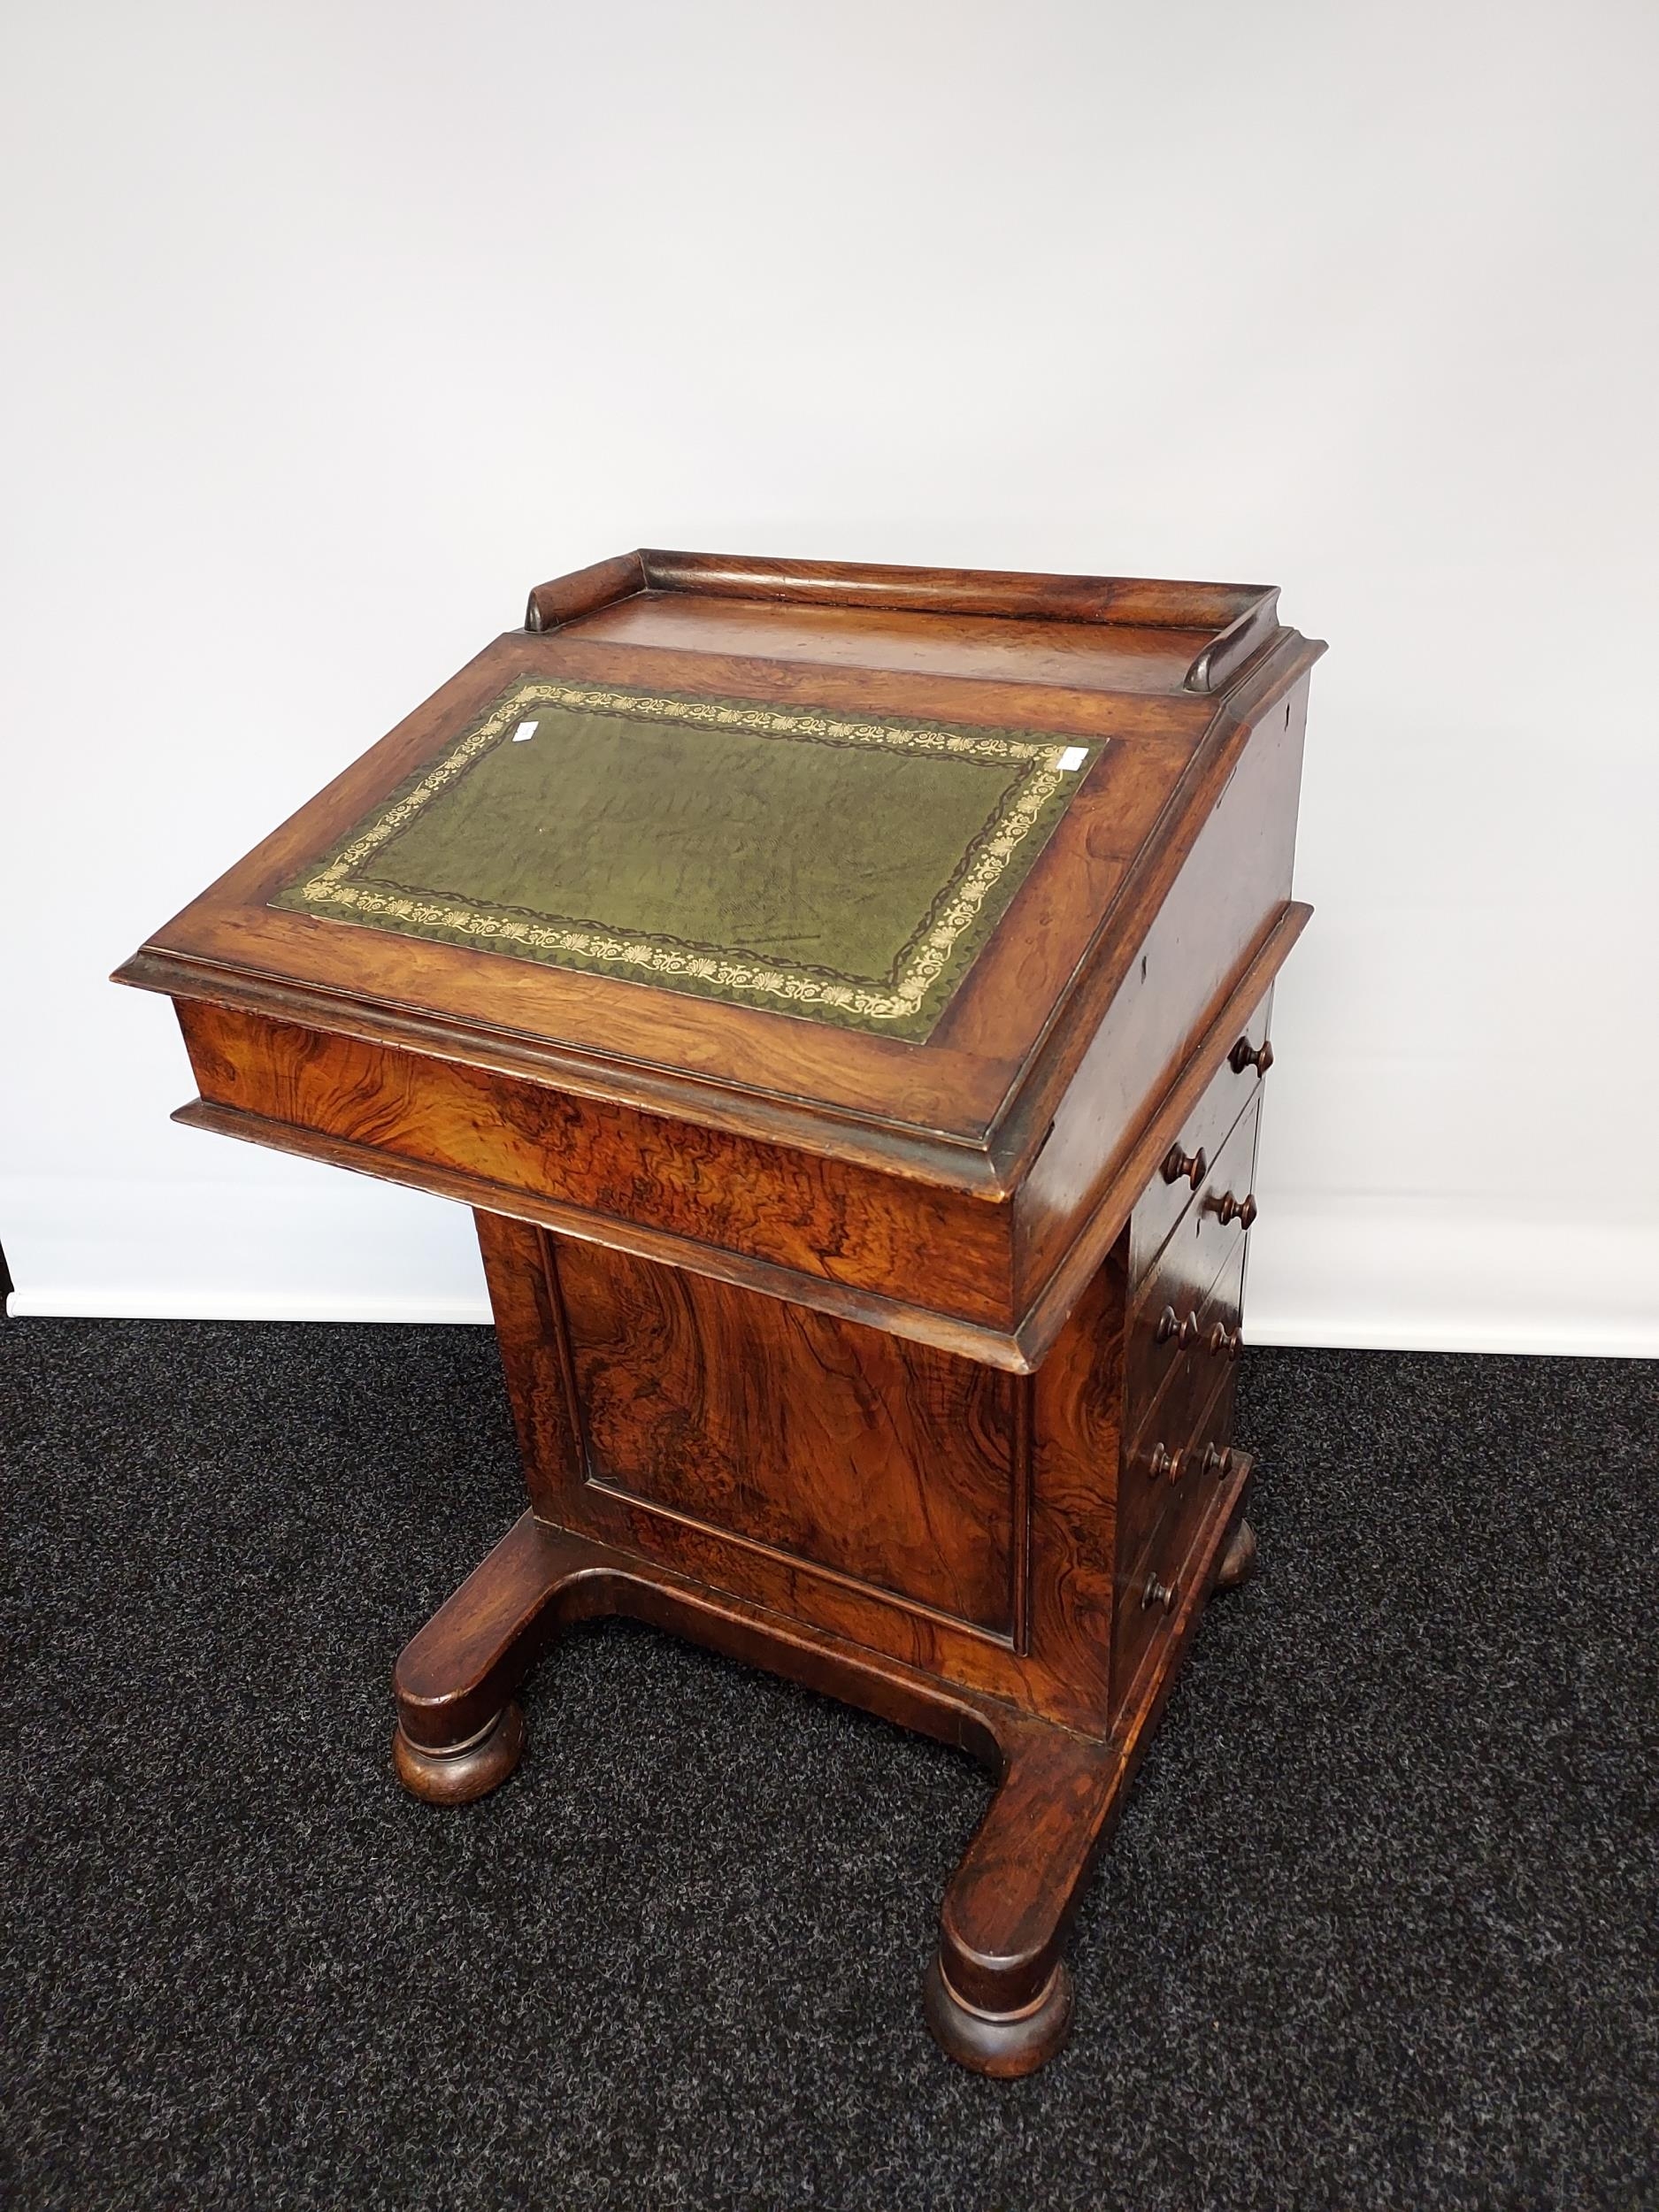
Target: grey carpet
column 1378, row 1928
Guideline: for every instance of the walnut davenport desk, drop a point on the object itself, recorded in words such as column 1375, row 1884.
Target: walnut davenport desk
column 841, row 995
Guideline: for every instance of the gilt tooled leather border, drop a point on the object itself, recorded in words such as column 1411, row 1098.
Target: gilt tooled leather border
column 907, row 1001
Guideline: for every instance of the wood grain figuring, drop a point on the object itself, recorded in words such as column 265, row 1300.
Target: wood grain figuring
column 922, row 1324
column 1076, row 1440
column 889, row 1462
column 901, row 1370
column 815, row 1217
column 1003, row 697
column 957, row 593
column 1073, row 656
column 913, row 1502
column 217, row 1034
column 531, row 1328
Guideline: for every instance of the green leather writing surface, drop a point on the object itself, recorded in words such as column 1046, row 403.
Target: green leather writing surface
column 841, row 868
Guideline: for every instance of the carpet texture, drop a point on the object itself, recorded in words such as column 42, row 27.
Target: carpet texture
column 1377, row 1929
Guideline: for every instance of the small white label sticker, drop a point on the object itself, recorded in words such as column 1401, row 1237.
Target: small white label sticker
column 1073, row 756
column 524, row 730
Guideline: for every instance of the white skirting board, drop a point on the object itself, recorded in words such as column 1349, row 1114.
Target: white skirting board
column 1367, row 1274
column 312, row 1247
column 1378, row 1275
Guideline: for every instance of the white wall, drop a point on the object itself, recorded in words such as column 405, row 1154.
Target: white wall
column 343, row 324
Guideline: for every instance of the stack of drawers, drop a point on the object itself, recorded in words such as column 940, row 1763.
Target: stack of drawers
column 1187, row 1240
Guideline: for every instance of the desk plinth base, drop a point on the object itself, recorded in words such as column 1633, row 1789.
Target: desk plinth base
column 997, row 1996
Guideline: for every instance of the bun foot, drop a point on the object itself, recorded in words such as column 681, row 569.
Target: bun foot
column 1237, row 1561
column 470, row 1770
column 1003, row 2044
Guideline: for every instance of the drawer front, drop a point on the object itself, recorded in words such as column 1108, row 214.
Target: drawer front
column 1178, row 1331
column 1213, row 1227
column 1206, row 1131
column 1161, row 1518
column 1170, row 1436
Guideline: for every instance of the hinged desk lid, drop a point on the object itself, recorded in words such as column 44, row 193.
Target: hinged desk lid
column 845, row 867
column 831, row 853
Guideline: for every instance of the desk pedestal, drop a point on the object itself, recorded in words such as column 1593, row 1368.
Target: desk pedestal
column 929, row 1538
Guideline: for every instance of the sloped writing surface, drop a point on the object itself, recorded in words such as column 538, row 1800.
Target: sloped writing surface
column 843, row 869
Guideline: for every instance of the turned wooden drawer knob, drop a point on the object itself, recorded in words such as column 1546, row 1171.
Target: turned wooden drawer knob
column 1163, row 1461
column 1222, row 1339
column 1185, row 1333
column 1191, row 1164
column 1243, row 1056
column 1239, row 1210
column 1162, row 1594
column 1218, row 1462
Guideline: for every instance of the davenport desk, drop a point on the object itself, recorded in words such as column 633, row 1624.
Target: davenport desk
column 841, row 995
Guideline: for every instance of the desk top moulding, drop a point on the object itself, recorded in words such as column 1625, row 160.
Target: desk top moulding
column 840, row 994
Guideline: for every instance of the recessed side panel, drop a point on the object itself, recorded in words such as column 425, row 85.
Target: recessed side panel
column 886, row 1461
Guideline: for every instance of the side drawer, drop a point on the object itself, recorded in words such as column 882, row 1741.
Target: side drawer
column 1151, row 1578
column 1206, row 1129
column 1177, row 1332
column 1215, row 1224
column 1193, row 1408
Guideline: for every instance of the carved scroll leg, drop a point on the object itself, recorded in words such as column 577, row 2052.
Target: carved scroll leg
column 459, row 1731
column 998, row 1994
